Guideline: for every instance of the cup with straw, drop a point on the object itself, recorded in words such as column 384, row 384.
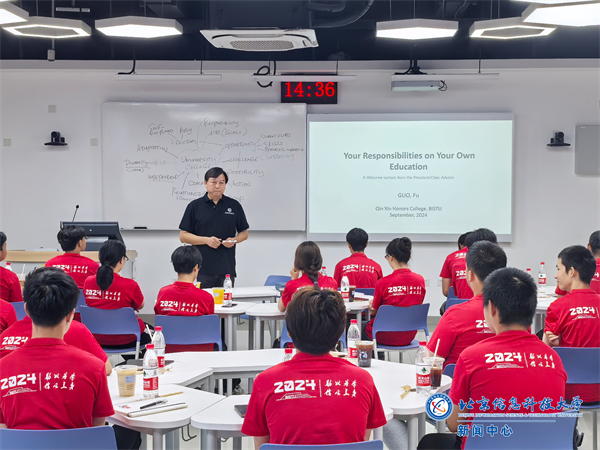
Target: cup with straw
column 437, row 365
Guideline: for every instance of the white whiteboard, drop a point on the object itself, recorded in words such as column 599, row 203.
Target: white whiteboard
column 155, row 156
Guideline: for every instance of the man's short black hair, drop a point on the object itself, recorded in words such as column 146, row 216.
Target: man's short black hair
column 316, row 319
column 484, row 257
column 513, row 293
column 481, row 234
column 581, row 259
column 185, row 258
column 2, row 239
column 50, row 295
column 595, row 243
column 358, row 239
column 69, row 237
column 462, row 238
column 215, row 172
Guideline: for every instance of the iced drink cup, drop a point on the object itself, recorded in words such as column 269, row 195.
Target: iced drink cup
column 218, row 294
column 126, row 378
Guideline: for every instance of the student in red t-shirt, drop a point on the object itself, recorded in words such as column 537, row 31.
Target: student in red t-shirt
column 10, row 288
column 72, row 240
column 8, row 315
column 464, row 325
column 594, row 247
column 446, row 273
column 315, row 398
column 401, row 288
column 108, row 290
column 60, row 386
column 511, row 372
column 574, row 320
column 309, row 261
column 183, row 298
column 361, row 271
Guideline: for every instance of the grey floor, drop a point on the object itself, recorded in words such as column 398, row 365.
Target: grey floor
column 584, row 425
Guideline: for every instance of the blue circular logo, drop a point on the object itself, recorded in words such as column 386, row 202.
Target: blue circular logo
column 438, row 406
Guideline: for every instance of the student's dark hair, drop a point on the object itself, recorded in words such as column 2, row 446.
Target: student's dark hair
column 215, row 172
column 358, row 239
column 2, row 239
column 400, row 249
column 110, row 255
column 308, row 259
column 316, row 319
column 481, row 234
column 514, row 293
column 69, row 237
column 185, row 258
column 484, row 257
column 50, row 295
column 462, row 238
column 594, row 243
column 581, row 259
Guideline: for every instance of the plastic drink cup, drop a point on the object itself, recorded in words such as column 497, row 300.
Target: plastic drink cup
column 126, row 379
column 365, row 353
column 352, row 289
column 437, row 367
column 218, row 294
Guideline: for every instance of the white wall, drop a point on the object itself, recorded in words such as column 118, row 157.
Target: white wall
column 41, row 185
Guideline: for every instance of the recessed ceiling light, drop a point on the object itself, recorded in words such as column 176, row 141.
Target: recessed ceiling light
column 10, row 13
column 413, row 29
column 139, row 27
column 51, row 27
column 509, row 28
column 574, row 15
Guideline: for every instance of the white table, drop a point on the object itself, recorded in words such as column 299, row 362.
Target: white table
column 160, row 424
column 229, row 314
column 358, row 307
column 253, row 293
column 189, row 374
column 260, row 312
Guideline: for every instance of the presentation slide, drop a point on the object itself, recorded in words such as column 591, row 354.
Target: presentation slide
column 430, row 177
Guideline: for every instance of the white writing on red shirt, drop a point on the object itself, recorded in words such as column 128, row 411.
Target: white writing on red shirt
column 172, row 305
column 13, row 342
column 21, row 380
column 104, row 295
column 73, row 268
column 404, row 290
column 584, row 312
column 357, row 268
column 332, row 387
column 461, row 274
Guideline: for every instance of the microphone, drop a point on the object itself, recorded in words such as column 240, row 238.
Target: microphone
column 76, row 208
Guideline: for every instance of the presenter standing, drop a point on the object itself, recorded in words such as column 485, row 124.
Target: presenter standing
column 215, row 224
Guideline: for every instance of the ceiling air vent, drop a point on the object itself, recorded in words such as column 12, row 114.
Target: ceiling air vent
column 261, row 39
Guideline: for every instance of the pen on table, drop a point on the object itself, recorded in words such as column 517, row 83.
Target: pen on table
column 160, row 402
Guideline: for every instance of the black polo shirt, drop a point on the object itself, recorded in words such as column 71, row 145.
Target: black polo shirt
column 224, row 220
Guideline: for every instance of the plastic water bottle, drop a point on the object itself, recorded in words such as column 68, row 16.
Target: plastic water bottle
column 159, row 347
column 542, row 275
column 8, row 267
column 150, row 372
column 345, row 289
column 228, row 295
column 529, row 272
column 423, row 365
column 289, row 354
column 352, row 338
column 323, row 271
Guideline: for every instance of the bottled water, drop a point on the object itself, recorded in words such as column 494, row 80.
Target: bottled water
column 345, row 289
column 159, row 347
column 289, row 354
column 8, row 267
column 228, row 295
column 542, row 275
column 323, row 271
column 150, row 372
column 423, row 365
column 352, row 337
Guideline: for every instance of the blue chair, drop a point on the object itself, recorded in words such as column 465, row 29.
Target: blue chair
column 80, row 301
column 191, row 330
column 583, row 367
column 451, row 293
column 366, row 291
column 112, row 322
column 285, row 338
column 449, row 370
column 274, row 280
column 454, row 301
column 396, row 318
column 367, row 445
column 553, row 433
column 94, row 438
column 19, row 309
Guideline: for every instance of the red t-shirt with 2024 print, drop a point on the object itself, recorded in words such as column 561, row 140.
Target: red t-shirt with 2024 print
column 292, row 286
column 8, row 315
column 10, row 288
column 184, row 299
column 403, row 288
column 361, row 271
column 312, row 400
column 455, row 268
column 122, row 293
column 77, row 266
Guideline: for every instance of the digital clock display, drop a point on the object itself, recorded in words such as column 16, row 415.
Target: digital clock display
column 313, row 92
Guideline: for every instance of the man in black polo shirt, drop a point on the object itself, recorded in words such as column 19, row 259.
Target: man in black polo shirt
column 215, row 224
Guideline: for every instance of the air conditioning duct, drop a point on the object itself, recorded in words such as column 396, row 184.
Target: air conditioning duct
column 261, row 39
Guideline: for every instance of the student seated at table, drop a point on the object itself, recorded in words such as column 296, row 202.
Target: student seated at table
column 309, row 261
column 109, row 290
column 464, row 325
column 594, row 247
column 361, row 271
column 446, row 273
column 183, row 298
column 10, row 288
column 402, row 287
column 72, row 240
column 60, row 386
column 8, row 315
column 574, row 320
column 314, row 398
column 534, row 371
